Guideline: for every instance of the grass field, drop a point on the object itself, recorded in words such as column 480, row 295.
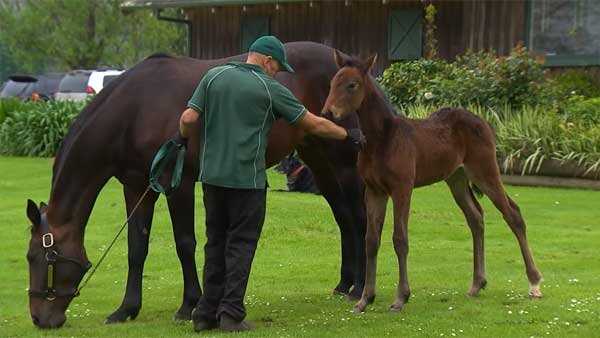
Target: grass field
column 297, row 266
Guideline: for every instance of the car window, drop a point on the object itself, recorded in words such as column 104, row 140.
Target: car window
column 14, row 88
column 107, row 79
column 74, row 82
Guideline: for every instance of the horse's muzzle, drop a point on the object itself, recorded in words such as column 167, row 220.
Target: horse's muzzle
column 49, row 322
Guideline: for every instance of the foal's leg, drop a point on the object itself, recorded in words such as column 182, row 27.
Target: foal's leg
column 376, row 204
column 463, row 195
column 181, row 208
column 401, row 199
column 138, row 234
column 486, row 175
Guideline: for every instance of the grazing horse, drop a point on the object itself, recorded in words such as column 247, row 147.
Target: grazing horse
column 117, row 135
column 401, row 153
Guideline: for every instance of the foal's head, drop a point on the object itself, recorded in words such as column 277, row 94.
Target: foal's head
column 349, row 85
column 57, row 263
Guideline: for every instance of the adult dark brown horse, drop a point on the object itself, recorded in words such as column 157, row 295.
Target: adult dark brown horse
column 401, row 153
column 117, row 135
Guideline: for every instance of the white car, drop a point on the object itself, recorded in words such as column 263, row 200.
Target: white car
column 77, row 85
column 100, row 78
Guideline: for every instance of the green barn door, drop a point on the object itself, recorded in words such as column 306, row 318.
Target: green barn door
column 405, row 34
column 253, row 27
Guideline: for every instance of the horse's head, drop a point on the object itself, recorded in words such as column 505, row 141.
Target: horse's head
column 348, row 86
column 57, row 263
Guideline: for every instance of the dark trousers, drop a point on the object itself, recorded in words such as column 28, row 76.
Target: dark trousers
column 234, row 220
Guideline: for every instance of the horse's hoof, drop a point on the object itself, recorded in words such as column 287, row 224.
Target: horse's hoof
column 535, row 291
column 476, row 287
column 358, row 309
column 342, row 289
column 120, row 316
column 183, row 315
column 396, row 307
column 355, row 293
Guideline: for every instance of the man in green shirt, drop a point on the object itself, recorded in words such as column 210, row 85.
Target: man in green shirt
column 236, row 105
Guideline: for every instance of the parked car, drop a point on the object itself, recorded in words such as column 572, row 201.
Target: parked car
column 32, row 87
column 73, row 86
column 100, row 78
column 77, row 85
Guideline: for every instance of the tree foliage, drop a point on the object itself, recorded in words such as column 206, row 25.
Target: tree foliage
column 69, row 34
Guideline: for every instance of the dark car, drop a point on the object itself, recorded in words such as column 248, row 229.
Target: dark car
column 32, row 87
column 74, row 86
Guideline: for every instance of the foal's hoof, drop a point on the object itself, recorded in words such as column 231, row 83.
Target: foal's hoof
column 476, row 287
column 121, row 315
column 359, row 308
column 535, row 292
column 396, row 307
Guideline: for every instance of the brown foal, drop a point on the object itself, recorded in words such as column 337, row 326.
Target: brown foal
column 452, row 144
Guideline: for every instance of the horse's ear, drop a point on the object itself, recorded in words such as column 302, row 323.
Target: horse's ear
column 43, row 205
column 370, row 63
column 339, row 58
column 33, row 213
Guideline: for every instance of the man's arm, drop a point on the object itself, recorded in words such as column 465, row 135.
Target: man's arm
column 189, row 117
column 319, row 126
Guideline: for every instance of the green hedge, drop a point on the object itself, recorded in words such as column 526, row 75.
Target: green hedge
column 583, row 111
column 474, row 78
column 35, row 128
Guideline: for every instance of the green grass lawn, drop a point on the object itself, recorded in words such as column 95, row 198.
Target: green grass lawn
column 297, row 266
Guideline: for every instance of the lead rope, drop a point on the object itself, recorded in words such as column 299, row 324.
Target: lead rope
column 113, row 241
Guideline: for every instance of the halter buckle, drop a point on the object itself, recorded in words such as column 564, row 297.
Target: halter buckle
column 47, row 240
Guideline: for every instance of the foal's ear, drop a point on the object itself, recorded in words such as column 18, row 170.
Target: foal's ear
column 33, row 213
column 43, row 205
column 340, row 60
column 369, row 63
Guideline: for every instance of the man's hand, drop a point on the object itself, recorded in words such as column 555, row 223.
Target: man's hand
column 356, row 138
column 180, row 140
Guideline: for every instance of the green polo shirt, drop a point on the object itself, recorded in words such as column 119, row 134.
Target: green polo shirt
column 238, row 104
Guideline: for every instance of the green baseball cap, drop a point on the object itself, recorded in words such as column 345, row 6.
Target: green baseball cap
column 271, row 46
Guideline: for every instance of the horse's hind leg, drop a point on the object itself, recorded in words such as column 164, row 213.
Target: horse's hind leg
column 486, row 175
column 138, row 233
column 463, row 195
column 181, row 208
column 376, row 204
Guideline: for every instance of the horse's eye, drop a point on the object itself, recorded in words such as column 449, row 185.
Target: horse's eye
column 353, row 86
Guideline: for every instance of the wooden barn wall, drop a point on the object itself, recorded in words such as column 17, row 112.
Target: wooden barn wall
column 361, row 28
column 478, row 25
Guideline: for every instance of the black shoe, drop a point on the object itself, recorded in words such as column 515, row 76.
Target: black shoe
column 229, row 324
column 201, row 324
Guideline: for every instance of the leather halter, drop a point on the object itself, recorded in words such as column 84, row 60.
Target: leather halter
column 53, row 257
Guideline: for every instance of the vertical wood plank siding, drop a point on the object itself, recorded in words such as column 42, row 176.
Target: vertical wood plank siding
column 361, row 28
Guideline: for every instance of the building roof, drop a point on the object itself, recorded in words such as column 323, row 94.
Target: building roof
column 139, row 4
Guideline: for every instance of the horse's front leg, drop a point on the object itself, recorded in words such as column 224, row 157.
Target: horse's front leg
column 401, row 199
column 181, row 208
column 138, row 234
column 376, row 203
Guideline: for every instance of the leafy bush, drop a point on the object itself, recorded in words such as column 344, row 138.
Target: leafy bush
column 576, row 82
column 37, row 130
column 584, row 111
column 474, row 78
column 9, row 105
